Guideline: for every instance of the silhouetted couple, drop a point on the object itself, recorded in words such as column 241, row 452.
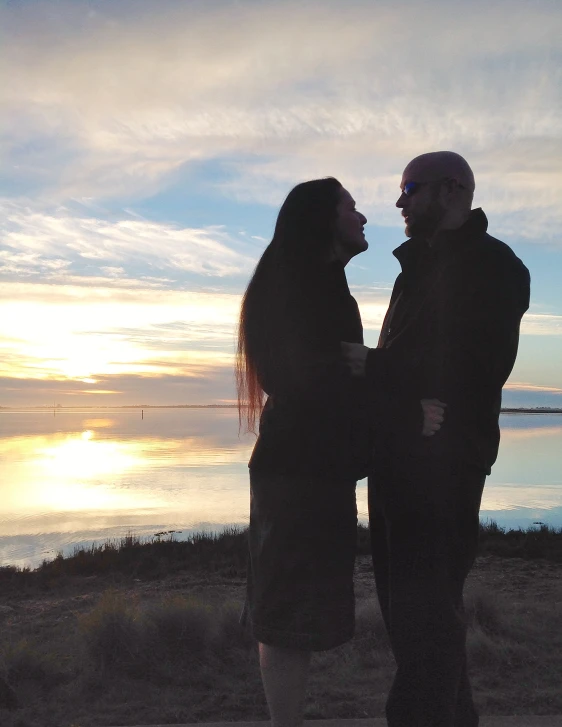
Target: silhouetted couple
column 336, row 411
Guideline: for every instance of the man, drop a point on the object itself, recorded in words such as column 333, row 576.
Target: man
column 454, row 317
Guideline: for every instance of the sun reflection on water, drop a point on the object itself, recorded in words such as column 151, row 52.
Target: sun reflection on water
column 99, row 469
column 84, row 458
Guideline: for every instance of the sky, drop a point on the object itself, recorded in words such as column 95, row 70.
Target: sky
column 146, row 147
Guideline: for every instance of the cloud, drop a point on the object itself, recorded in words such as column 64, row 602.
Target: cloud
column 204, row 385
column 58, row 247
column 373, row 304
column 75, row 333
column 518, row 386
column 105, row 104
column 87, row 340
column 514, row 397
column 117, row 103
column 541, row 324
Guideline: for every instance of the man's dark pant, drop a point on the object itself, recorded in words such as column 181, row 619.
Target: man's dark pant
column 424, row 533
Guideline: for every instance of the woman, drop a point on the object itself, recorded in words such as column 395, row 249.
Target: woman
column 315, row 436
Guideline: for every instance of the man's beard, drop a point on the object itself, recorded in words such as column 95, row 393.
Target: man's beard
column 426, row 224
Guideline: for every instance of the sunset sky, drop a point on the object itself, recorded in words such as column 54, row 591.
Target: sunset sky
column 146, row 147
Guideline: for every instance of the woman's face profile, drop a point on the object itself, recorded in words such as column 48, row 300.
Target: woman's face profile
column 349, row 238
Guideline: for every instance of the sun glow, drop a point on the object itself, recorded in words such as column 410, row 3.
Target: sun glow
column 61, row 335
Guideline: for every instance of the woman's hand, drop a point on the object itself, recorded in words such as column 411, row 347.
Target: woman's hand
column 433, row 415
column 354, row 357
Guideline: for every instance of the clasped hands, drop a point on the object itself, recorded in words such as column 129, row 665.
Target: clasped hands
column 355, row 358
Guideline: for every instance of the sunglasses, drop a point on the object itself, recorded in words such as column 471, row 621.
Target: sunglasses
column 410, row 188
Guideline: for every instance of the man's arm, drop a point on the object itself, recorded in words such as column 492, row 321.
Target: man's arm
column 394, row 403
column 475, row 332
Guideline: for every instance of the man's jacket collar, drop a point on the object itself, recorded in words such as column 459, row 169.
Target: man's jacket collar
column 447, row 242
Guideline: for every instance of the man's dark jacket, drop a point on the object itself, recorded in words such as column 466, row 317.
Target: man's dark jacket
column 454, row 319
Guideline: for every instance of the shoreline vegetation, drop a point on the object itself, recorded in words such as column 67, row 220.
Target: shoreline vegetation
column 146, row 631
column 225, row 552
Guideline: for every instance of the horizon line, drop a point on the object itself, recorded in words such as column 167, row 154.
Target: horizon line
column 59, row 407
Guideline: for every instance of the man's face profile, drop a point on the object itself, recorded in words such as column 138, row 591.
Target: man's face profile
column 420, row 204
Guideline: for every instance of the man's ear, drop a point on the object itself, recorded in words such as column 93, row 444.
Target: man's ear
column 451, row 184
column 452, row 187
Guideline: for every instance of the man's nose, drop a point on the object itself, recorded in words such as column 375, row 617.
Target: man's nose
column 401, row 200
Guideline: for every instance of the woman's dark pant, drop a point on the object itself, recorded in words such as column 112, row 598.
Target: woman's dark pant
column 424, row 532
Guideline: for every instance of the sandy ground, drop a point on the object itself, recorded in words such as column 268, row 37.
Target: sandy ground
column 516, row 579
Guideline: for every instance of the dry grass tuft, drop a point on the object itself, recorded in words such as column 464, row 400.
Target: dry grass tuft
column 178, row 629
column 110, row 632
column 369, row 624
column 26, row 660
column 485, row 611
column 230, row 634
column 371, row 644
column 483, row 650
column 493, row 643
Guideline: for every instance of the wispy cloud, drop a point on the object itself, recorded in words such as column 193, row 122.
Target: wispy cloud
column 541, row 324
column 56, row 246
column 519, row 386
column 122, row 100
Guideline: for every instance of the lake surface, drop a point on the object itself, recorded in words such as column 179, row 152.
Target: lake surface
column 78, row 477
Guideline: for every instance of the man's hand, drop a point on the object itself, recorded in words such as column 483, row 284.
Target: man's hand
column 354, row 357
column 433, row 415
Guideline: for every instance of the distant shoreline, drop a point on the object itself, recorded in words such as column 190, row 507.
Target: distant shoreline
column 123, row 406
column 537, row 410
column 58, row 407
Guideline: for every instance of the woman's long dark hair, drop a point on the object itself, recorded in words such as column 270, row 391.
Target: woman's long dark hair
column 301, row 243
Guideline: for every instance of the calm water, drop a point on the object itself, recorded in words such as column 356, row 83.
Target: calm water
column 84, row 476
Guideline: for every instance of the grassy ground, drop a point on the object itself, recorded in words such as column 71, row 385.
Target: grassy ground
column 132, row 633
